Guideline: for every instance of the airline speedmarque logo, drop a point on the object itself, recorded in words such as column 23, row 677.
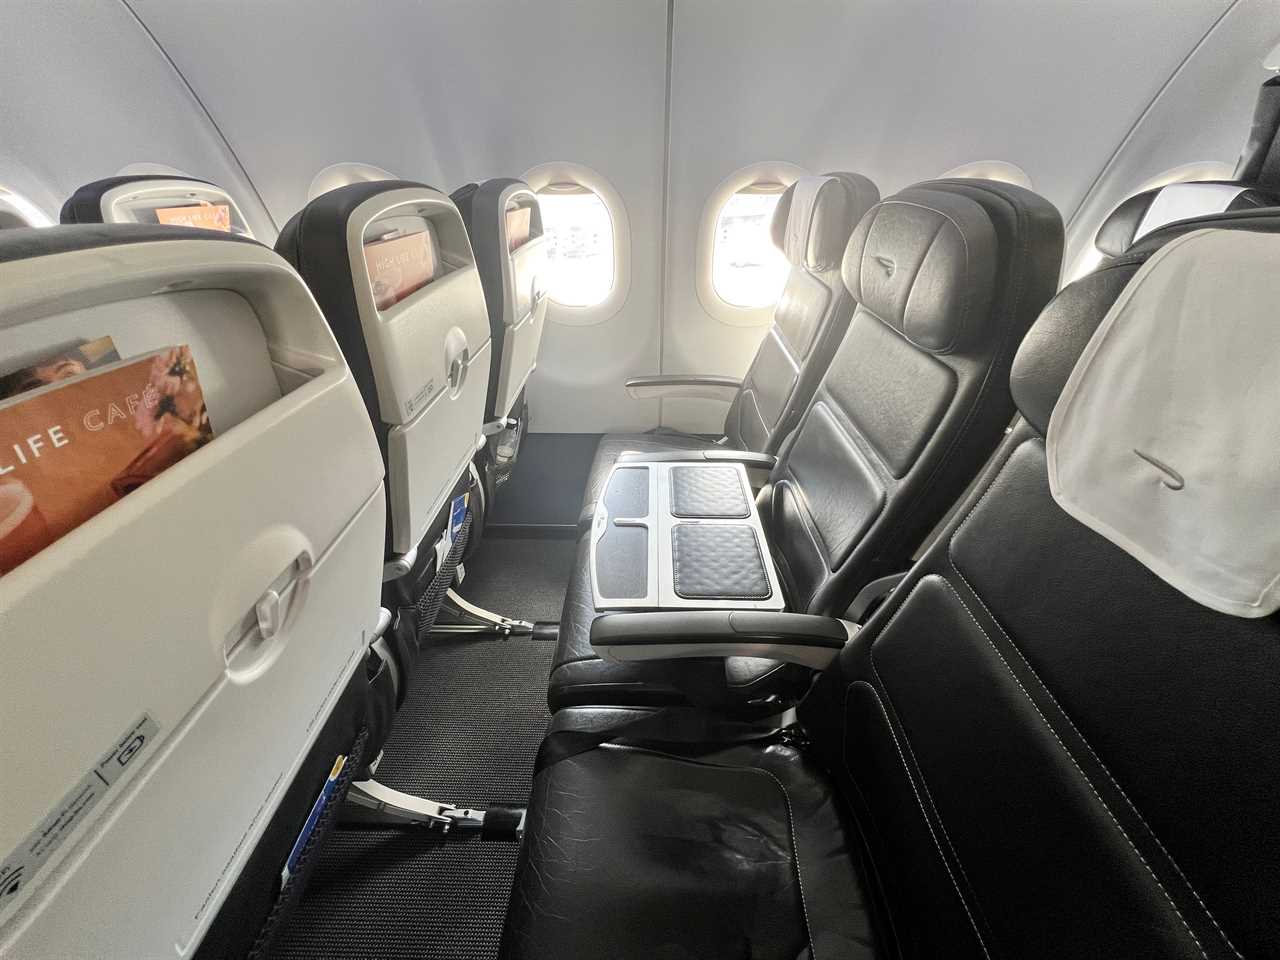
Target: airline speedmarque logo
column 1171, row 479
column 890, row 268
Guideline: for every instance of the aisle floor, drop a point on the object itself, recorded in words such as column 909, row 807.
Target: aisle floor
column 467, row 733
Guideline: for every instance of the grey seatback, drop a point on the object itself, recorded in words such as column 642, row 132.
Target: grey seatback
column 811, row 225
column 948, row 276
column 504, row 222
column 421, row 361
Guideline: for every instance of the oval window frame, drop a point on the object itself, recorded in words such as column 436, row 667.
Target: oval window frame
column 344, row 174
column 563, row 171
column 15, row 206
column 764, row 171
column 1002, row 171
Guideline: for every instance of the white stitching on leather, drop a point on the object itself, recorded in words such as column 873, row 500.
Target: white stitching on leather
column 795, row 855
column 1093, row 753
column 920, row 803
column 923, row 782
column 1092, row 789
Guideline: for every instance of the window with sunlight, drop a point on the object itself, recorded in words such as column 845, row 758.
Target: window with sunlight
column 579, row 230
column 747, row 270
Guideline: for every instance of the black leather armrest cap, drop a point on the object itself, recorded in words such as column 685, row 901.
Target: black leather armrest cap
column 748, row 458
column 677, row 634
column 684, row 380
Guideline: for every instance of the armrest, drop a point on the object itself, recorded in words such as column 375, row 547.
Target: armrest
column 671, row 635
column 748, row 458
column 684, row 386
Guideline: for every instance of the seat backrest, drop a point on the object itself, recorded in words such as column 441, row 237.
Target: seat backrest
column 391, row 266
column 947, row 276
column 1148, row 211
column 156, row 199
column 185, row 640
column 504, row 222
column 811, row 226
column 1049, row 749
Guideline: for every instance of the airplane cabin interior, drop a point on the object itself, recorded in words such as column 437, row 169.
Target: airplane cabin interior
column 639, row 480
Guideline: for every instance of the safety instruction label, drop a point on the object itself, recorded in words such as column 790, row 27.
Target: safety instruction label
column 20, row 866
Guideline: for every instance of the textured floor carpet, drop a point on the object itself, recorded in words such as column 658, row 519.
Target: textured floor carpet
column 467, row 733
column 519, row 578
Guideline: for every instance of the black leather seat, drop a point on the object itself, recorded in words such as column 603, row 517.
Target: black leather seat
column 947, row 276
column 809, row 321
column 1042, row 748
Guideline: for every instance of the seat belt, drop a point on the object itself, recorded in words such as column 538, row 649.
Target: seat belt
column 686, row 725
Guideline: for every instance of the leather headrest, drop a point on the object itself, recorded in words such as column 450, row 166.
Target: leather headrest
column 815, row 215
column 483, row 206
column 924, row 262
column 85, row 205
column 1052, row 346
column 323, row 221
column 1147, row 211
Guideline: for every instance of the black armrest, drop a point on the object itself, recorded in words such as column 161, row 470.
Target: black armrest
column 676, row 634
column 748, row 458
column 684, row 385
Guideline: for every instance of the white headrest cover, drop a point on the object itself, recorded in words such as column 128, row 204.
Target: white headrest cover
column 813, row 220
column 1166, row 439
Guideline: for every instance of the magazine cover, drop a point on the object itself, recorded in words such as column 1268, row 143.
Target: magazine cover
column 62, row 364
column 71, row 449
column 400, row 265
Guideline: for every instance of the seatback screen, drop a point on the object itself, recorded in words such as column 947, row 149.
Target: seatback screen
column 399, row 265
column 206, row 216
column 517, row 227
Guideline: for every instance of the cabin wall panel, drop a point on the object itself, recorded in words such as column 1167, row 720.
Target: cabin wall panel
column 899, row 90
column 84, row 92
column 450, row 91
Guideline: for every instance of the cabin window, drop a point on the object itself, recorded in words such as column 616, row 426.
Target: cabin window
column 747, row 270
column 1000, row 170
column 344, row 174
column 738, row 272
column 17, row 211
column 588, row 243
column 580, row 250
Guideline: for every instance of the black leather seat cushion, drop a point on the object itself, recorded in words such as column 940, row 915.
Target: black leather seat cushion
column 637, row 854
